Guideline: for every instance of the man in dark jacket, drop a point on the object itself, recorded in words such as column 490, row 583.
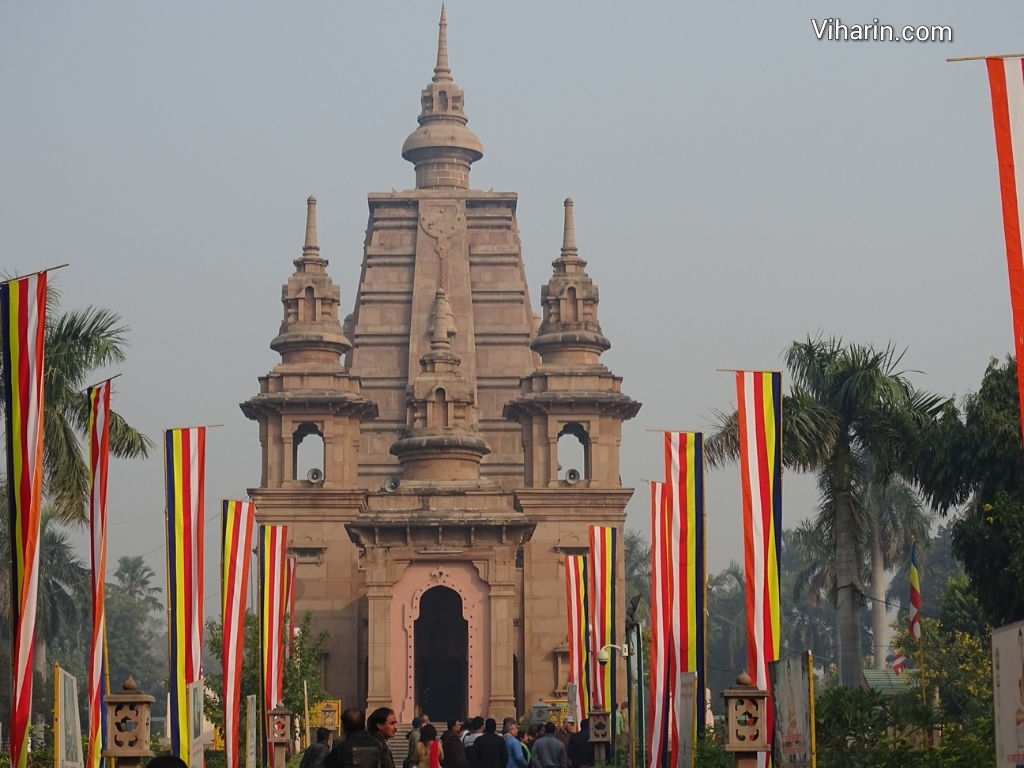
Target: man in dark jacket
column 490, row 749
column 383, row 725
column 548, row 751
column 451, row 743
column 315, row 754
column 359, row 749
column 581, row 751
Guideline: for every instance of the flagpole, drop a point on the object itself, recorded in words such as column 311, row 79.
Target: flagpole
column 983, row 58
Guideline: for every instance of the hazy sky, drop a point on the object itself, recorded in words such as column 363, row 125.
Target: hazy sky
column 738, row 185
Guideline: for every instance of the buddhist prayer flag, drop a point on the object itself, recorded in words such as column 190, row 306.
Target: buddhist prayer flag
column 99, row 454
column 601, row 591
column 899, row 664
column 185, row 463
column 661, row 629
column 1006, row 82
column 759, row 400
column 238, row 518
column 23, row 318
column 915, row 595
column 273, row 544
column 289, row 604
column 684, row 471
column 579, row 634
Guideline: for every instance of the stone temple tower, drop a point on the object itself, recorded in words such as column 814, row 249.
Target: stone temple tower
column 431, row 548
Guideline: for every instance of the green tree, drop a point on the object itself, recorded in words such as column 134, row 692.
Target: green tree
column 726, row 627
column 79, row 344
column 972, row 456
column 303, row 665
column 638, row 572
column 893, row 515
column 135, row 578
column 64, row 591
column 846, row 400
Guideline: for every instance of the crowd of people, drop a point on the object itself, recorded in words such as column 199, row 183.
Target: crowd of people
column 366, row 742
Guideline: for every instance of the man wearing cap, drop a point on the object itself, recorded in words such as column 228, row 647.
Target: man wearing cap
column 566, row 730
column 412, row 758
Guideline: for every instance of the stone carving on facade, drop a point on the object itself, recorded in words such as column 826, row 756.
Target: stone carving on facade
column 442, row 222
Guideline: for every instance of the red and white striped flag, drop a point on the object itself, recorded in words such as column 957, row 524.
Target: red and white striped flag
column 23, row 331
column 1006, row 81
column 273, row 546
column 898, row 664
column 289, row 603
column 99, row 455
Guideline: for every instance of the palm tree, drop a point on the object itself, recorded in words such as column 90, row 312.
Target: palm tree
column 64, row 586
column 845, row 400
column 892, row 516
column 79, row 344
column 134, row 577
column 638, row 572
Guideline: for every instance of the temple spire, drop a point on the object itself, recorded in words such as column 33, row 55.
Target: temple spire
column 442, row 148
column 442, row 72
column 310, row 247
column 568, row 231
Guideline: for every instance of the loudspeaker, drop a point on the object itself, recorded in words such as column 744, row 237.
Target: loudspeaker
column 392, row 483
column 572, row 476
column 315, row 475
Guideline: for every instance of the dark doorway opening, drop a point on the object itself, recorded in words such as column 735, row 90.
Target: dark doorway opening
column 442, row 645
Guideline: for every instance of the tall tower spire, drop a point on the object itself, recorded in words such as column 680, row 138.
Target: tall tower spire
column 442, row 73
column 310, row 247
column 310, row 330
column 442, row 148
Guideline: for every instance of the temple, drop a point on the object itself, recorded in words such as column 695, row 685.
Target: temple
column 436, row 453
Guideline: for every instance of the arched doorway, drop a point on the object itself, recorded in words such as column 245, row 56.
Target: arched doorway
column 442, row 650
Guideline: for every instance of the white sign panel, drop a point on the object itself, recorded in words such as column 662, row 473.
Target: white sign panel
column 195, row 724
column 251, row 720
column 791, row 695
column 69, row 739
column 685, row 706
column 1008, row 690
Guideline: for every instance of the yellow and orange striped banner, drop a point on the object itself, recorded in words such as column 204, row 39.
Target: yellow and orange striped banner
column 237, row 524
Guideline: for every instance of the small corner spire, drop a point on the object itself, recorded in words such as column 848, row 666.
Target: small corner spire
column 442, row 72
column 310, row 246
column 440, row 336
column 568, row 231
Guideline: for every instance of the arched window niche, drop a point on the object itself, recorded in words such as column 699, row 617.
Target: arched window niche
column 573, row 451
column 308, row 451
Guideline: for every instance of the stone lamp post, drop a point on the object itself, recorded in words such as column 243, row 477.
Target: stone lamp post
column 330, row 719
column 128, row 725
column 746, row 721
column 278, row 735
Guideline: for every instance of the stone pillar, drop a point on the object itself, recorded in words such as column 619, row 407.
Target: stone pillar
column 378, row 646
column 502, row 598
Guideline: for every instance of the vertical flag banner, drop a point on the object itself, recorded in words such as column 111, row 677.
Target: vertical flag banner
column 289, row 604
column 601, row 591
column 579, row 624
column 915, row 595
column 273, row 544
column 661, row 628
column 238, row 518
column 684, row 471
column 23, row 313
column 759, row 402
column 99, row 454
column 1006, row 83
column 185, row 463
